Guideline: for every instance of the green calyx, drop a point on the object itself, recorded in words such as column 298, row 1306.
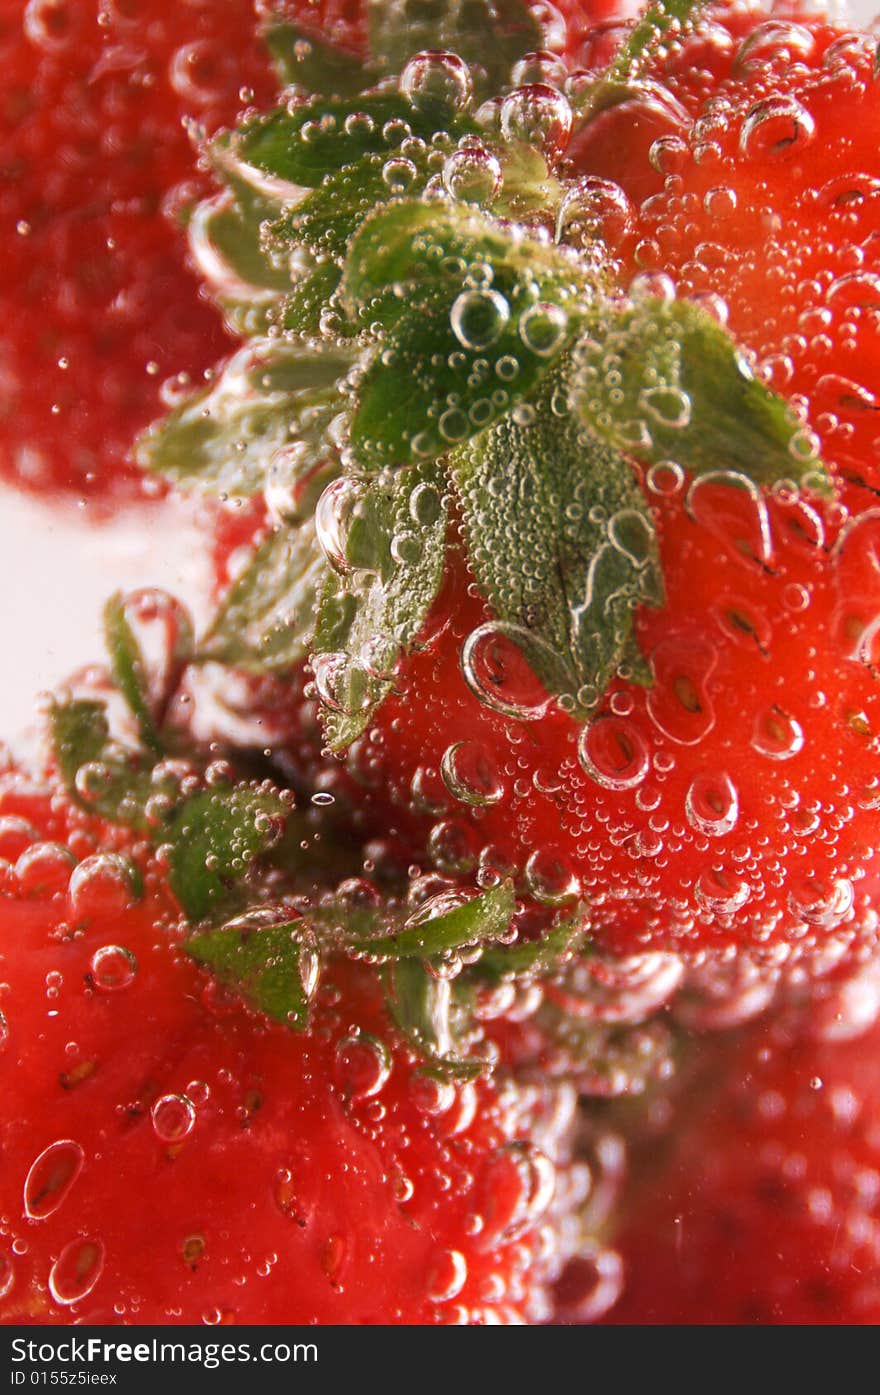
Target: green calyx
column 271, row 890
column 426, row 347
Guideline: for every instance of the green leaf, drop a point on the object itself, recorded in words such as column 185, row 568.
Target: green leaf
column 395, row 539
column 225, row 235
column 561, row 543
column 535, row 958
column 212, row 838
column 659, row 19
column 98, row 774
column 304, row 310
column 267, row 618
column 305, row 60
column 482, row 919
column 270, row 395
column 664, row 381
column 490, row 35
column 305, row 144
column 458, row 355
column 428, row 1015
column 406, row 934
column 274, row 966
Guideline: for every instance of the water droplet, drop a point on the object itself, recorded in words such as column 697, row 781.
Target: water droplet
column 542, row 327
column 712, row 805
column 721, row 890
column 593, row 211
column 173, row 1118
column 363, row 1065
column 613, row 753
column 112, row 967
column 590, row 1284
column 518, row 1184
column 51, row 1177
column 495, row 666
column 447, row 1277
column 777, row 735
column 776, row 128
column 44, row 869
column 469, row 774
column 435, row 76
column 473, row 175
column 823, row 902
column 732, row 508
column 104, row 884
column 478, row 318
column 538, row 115
column 76, row 1271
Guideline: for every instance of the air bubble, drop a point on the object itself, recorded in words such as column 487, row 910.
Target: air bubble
column 478, row 318
column 538, row 115
column 363, row 1065
column 712, row 805
column 76, row 1271
column 104, row 884
column 776, row 128
column 435, row 76
column 469, row 774
column 542, row 328
column 473, row 175
column 112, row 967
column 612, row 752
column 51, row 1177
column 173, row 1118
column 496, row 669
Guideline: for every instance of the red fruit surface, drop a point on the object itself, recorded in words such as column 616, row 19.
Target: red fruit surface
column 169, row 1156
column 762, row 1204
column 734, row 800
column 100, row 307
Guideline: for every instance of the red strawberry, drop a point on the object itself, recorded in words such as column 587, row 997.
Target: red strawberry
column 760, row 1202
column 734, row 798
column 171, row 1156
column 100, row 308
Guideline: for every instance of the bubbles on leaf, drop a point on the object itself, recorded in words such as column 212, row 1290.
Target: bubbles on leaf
column 436, row 77
column 473, row 175
column 538, row 115
column 478, row 318
column 542, row 328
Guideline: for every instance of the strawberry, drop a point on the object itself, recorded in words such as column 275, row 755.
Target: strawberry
column 566, row 541
column 279, row 1175
column 759, row 1202
column 101, row 309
